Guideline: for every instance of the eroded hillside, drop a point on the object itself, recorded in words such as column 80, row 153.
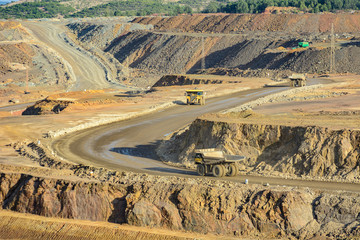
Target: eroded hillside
column 27, row 66
column 188, row 44
column 201, row 206
column 63, row 164
column 237, row 23
column 274, row 150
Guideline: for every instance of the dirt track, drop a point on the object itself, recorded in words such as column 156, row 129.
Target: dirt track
column 130, row 144
column 85, row 70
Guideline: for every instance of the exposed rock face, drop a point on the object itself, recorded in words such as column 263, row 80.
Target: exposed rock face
column 181, row 53
column 230, row 23
column 173, row 80
column 177, row 45
column 47, row 106
column 186, row 204
column 271, row 149
column 100, row 34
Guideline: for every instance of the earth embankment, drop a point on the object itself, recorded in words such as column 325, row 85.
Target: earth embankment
column 202, row 206
column 234, row 23
column 274, row 150
column 165, row 53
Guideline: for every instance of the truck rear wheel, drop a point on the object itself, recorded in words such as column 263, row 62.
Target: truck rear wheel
column 218, row 170
column 200, row 169
column 232, row 170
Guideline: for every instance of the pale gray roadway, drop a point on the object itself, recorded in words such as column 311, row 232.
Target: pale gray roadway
column 82, row 67
column 129, row 145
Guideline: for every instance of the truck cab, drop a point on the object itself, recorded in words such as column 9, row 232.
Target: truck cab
column 195, row 97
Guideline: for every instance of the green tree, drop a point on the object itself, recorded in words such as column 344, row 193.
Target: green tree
column 324, row 8
column 350, row 4
column 211, row 8
column 338, row 4
column 302, row 6
column 188, row 9
column 242, row 7
column 317, row 9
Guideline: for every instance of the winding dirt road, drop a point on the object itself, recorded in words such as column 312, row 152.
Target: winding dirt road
column 130, row 145
column 85, row 71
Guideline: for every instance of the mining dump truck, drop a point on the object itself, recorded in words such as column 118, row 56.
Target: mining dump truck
column 214, row 161
column 297, row 80
column 195, row 97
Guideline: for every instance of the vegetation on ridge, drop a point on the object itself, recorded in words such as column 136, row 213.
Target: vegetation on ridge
column 56, row 8
column 258, row 6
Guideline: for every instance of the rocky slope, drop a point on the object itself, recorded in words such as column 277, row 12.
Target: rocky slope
column 101, row 33
column 230, row 23
column 203, row 206
column 176, row 44
column 174, row 53
column 315, row 152
column 18, row 51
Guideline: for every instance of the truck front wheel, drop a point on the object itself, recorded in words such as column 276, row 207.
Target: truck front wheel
column 200, row 169
column 218, row 170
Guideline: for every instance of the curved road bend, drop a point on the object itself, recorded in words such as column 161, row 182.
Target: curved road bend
column 88, row 73
column 130, row 144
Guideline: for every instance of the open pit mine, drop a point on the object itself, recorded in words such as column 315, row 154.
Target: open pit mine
column 203, row 126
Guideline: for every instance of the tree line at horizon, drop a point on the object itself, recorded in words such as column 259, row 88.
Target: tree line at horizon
column 259, row 6
column 56, row 8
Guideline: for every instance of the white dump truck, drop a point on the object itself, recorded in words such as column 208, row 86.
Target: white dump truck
column 212, row 160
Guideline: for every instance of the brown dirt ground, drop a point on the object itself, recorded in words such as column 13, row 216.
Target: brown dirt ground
column 97, row 105
column 229, row 23
column 94, row 105
column 332, row 112
column 21, row 225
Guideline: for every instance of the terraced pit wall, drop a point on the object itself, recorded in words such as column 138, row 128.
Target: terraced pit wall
column 273, row 150
column 177, row 45
column 201, row 205
column 235, row 23
column 175, row 53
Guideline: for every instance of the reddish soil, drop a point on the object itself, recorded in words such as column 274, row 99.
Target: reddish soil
column 228, row 23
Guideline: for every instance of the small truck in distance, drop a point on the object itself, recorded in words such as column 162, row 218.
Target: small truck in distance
column 214, row 161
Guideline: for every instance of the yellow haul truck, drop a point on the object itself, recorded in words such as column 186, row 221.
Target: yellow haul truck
column 195, row 97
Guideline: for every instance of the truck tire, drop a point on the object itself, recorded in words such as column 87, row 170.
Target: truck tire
column 232, row 170
column 218, row 170
column 201, row 169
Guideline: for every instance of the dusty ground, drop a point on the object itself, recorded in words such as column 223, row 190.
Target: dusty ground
column 335, row 107
column 77, row 64
column 20, row 226
column 95, row 107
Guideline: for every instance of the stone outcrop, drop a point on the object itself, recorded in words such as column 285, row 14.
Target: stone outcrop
column 201, row 205
column 311, row 151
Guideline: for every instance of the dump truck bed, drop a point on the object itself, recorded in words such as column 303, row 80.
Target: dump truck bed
column 212, row 160
column 214, row 156
column 296, row 76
